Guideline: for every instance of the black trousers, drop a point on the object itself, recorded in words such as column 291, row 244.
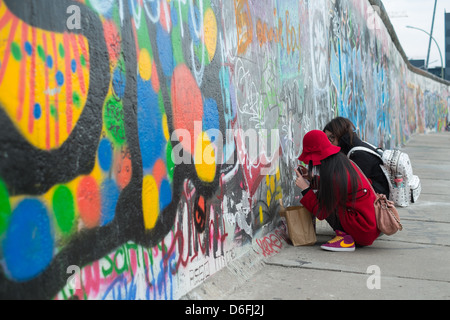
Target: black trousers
column 334, row 222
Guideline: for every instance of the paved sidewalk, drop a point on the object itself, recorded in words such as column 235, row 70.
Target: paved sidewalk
column 413, row 264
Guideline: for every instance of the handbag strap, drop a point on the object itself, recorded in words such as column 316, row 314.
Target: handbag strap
column 363, row 176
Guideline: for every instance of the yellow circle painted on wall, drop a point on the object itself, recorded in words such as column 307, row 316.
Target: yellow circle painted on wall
column 205, row 158
column 145, row 64
column 210, row 32
column 150, row 201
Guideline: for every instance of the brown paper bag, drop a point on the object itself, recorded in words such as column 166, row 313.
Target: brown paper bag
column 300, row 225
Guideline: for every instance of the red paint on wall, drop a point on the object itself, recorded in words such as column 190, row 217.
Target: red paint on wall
column 88, row 200
column 187, row 104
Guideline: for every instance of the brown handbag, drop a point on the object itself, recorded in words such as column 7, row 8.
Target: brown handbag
column 386, row 214
column 388, row 219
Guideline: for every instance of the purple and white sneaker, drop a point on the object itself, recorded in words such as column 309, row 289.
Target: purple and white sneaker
column 342, row 242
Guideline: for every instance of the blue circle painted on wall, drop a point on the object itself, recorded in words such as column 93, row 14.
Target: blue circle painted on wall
column 37, row 112
column 73, row 65
column 28, row 245
column 151, row 137
column 28, row 48
column 105, row 154
column 49, row 61
column 59, row 78
column 165, row 194
column 110, row 196
column 210, row 115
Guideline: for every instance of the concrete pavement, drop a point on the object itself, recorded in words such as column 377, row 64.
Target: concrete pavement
column 412, row 264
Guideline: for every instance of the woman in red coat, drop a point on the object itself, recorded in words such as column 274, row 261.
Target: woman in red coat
column 343, row 196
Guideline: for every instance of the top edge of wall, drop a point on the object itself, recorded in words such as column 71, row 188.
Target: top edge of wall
column 390, row 28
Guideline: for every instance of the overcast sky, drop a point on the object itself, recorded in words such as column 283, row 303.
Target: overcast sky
column 419, row 14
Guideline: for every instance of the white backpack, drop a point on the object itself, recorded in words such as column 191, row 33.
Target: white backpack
column 404, row 187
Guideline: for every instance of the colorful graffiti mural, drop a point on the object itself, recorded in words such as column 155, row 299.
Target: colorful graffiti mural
column 145, row 144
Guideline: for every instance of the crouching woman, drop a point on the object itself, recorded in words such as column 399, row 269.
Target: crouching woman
column 343, row 196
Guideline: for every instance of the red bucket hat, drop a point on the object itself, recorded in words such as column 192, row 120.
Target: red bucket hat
column 317, row 147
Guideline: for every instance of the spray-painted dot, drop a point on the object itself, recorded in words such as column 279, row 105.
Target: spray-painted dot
column 59, row 78
column 76, row 99
column 145, row 64
column 53, row 112
column 41, row 52
column 210, row 115
column 49, row 62
column 151, row 136
column 83, row 60
column 28, row 244
column 62, row 52
column 150, row 202
column 73, row 65
column 165, row 194
column 110, row 196
column 187, row 104
column 16, row 51
column 37, row 112
column 64, row 209
column 105, row 154
column 210, row 32
column 28, row 48
column 204, row 158
column 89, row 202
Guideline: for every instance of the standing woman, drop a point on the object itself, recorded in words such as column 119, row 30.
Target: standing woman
column 343, row 197
column 341, row 132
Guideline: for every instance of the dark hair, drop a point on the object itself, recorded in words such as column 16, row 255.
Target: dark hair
column 340, row 126
column 333, row 187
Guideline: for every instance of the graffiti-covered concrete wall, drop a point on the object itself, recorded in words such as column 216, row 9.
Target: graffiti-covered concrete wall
column 145, row 144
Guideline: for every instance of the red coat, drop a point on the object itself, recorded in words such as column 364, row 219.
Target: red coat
column 358, row 220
